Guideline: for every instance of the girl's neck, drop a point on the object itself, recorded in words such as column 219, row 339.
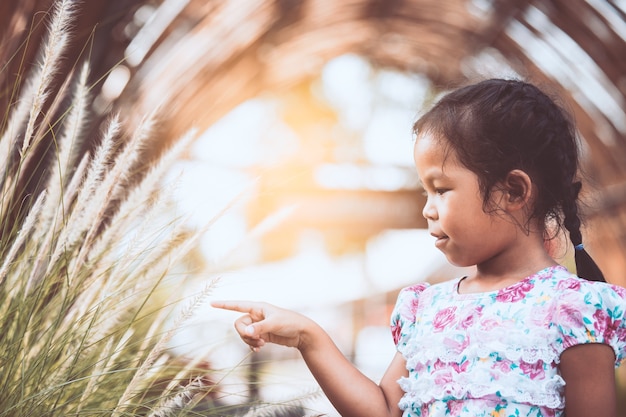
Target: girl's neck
column 478, row 282
column 503, row 271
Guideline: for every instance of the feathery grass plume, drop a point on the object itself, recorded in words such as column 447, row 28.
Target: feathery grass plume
column 52, row 55
column 78, row 215
column 181, row 401
column 18, row 136
column 65, row 149
column 33, row 214
column 15, row 120
column 45, row 259
column 292, row 407
column 110, row 189
column 141, row 202
column 157, row 351
column 34, row 119
column 138, row 141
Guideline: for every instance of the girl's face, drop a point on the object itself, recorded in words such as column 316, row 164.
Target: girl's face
column 464, row 232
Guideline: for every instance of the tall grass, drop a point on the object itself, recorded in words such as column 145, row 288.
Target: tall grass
column 87, row 257
column 90, row 260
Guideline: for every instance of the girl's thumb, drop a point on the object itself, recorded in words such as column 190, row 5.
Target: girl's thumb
column 256, row 329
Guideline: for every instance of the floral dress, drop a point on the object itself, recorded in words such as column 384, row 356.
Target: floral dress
column 497, row 353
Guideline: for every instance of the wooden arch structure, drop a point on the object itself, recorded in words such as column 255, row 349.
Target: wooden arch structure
column 201, row 58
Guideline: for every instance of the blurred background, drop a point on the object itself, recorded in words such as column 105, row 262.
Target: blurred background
column 303, row 164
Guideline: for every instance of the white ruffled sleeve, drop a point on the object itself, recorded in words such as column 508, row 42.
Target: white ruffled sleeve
column 592, row 312
column 403, row 314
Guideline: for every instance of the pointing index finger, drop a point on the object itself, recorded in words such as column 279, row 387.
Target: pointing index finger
column 235, row 305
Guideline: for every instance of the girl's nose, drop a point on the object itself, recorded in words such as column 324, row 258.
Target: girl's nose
column 429, row 212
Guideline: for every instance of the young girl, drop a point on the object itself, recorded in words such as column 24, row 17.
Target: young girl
column 520, row 336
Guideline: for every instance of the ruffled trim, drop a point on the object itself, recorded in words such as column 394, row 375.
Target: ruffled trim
column 439, row 386
column 461, row 369
column 519, row 346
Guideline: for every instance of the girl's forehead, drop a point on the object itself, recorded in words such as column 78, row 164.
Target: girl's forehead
column 435, row 153
column 433, row 146
column 426, row 139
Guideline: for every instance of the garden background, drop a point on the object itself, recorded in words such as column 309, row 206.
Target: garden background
column 162, row 153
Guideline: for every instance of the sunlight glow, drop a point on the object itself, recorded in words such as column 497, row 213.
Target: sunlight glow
column 251, row 134
column 375, row 110
column 115, row 82
column 374, row 177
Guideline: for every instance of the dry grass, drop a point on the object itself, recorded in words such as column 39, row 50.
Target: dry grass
column 90, row 260
column 86, row 264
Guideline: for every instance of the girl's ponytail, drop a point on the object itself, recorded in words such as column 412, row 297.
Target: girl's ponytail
column 585, row 265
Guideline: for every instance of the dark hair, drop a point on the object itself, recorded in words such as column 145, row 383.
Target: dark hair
column 496, row 126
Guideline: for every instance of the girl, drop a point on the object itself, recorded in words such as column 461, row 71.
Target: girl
column 520, row 336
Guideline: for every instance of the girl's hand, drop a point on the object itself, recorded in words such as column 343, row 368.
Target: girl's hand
column 265, row 323
column 351, row 392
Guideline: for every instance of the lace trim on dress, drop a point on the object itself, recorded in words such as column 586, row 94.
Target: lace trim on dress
column 529, row 348
column 514, row 387
column 460, row 369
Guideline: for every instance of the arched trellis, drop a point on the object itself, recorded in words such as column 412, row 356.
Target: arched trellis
column 200, row 59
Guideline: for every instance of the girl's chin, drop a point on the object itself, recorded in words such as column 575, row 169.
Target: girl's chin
column 455, row 260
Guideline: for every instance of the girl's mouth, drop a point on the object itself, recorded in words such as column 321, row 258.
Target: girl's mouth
column 440, row 240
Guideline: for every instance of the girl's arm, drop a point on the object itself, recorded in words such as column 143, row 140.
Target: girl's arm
column 350, row 392
column 589, row 374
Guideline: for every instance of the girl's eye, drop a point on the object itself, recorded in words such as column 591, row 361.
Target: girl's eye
column 436, row 191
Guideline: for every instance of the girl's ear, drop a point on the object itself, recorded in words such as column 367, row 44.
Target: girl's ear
column 519, row 188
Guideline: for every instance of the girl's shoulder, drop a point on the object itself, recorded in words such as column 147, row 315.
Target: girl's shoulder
column 409, row 298
column 568, row 285
column 413, row 290
column 416, row 290
column 404, row 311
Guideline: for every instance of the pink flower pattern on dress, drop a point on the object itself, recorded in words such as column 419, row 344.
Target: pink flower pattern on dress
column 533, row 370
column 569, row 284
column 443, row 318
column 504, row 366
column 470, row 318
column 497, row 353
column 454, row 407
column 515, row 292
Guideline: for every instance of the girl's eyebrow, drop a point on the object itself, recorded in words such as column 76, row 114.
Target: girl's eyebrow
column 432, row 176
